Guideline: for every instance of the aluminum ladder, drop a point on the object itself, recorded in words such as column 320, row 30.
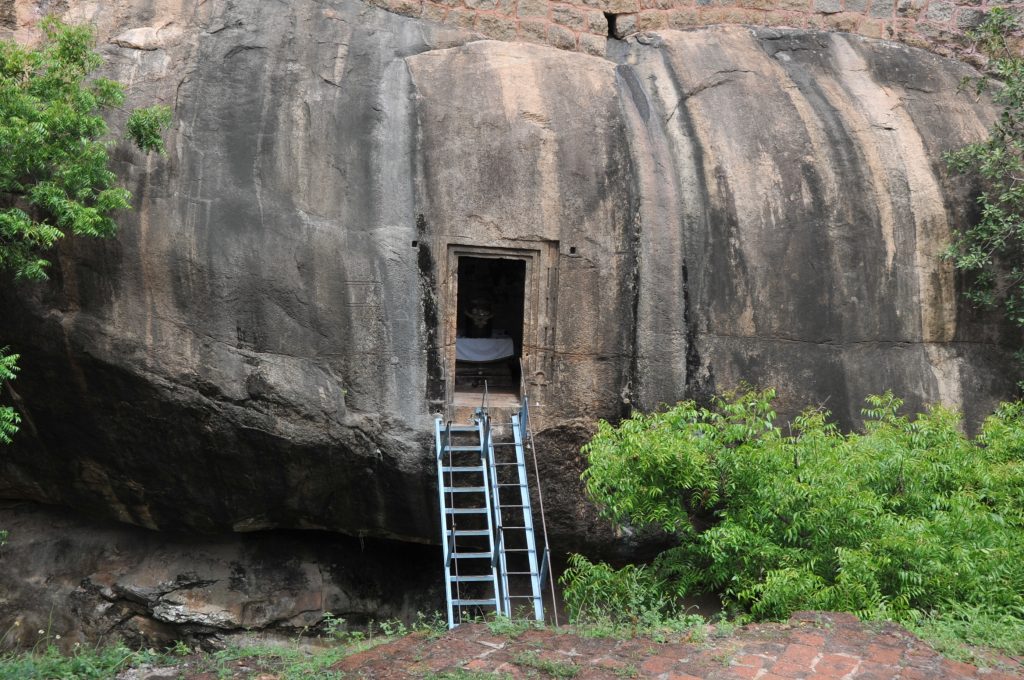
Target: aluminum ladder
column 515, row 537
column 488, row 538
column 472, row 583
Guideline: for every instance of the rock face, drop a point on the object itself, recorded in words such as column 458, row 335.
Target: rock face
column 86, row 581
column 267, row 341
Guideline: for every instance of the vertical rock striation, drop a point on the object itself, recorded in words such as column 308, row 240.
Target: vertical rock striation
column 267, row 340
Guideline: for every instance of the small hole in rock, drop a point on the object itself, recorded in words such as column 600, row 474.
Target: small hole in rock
column 572, row 250
column 610, row 18
column 415, row 244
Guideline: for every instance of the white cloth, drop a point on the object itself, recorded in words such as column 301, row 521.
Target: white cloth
column 484, row 349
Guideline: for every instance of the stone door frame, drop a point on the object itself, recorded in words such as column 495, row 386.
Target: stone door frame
column 540, row 258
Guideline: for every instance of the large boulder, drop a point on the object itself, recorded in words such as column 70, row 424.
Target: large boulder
column 267, row 341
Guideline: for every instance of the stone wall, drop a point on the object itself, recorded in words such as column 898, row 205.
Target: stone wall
column 585, row 25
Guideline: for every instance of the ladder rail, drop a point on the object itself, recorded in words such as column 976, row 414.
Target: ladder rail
column 528, row 430
column 531, row 537
column 506, row 607
column 485, row 451
column 446, row 550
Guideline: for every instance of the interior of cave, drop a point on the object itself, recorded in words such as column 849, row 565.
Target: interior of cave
column 489, row 328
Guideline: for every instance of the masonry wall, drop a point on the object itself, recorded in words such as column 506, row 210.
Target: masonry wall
column 585, row 25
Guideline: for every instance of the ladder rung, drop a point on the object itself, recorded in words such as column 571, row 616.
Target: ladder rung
column 492, row 602
column 529, row 597
column 517, row 507
column 465, row 511
column 478, row 579
column 522, row 573
column 504, row 444
column 448, row 449
column 521, row 486
column 463, row 468
column 464, row 489
column 519, row 550
column 505, row 464
column 472, row 532
column 463, row 428
column 473, row 555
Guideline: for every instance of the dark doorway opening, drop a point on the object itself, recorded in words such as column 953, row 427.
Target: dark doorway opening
column 489, row 329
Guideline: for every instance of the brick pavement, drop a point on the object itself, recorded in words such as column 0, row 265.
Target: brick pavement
column 813, row 645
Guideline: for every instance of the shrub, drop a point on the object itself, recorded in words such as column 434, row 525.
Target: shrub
column 909, row 519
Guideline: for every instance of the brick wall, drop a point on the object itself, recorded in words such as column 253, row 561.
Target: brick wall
column 583, row 25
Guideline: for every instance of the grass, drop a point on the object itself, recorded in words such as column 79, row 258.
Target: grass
column 958, row 636
column 461, row 674
column 556, row 669
column 972, row 635
column 45, row 661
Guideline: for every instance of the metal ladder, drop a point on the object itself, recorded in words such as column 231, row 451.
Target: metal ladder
column 463, row 486
column 517, row 540
column 484, row 494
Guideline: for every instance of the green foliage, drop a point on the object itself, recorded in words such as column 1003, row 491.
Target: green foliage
column 908, row 520
column 54, row 178
column 555, row 669
column 991, row 252
column 84, row 664
column 9, row 418
column 145, row 127
column 462, row 674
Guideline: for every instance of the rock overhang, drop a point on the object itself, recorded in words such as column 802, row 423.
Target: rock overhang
column 706, row 207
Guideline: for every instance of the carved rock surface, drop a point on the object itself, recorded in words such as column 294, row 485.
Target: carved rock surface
column 265, row 343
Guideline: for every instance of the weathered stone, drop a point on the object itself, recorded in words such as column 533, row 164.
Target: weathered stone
column 940, row 10
column 909, row 9
column 828, row 6
column 484, row 5
column 533, row 30
column 845, row 21
column 856, row 5
column 614, row 6
column 267, row 341
column 561, row 38
column 872, row 29
column 593, row 44
column 496, row 27
column 883, row 9
column 410, row 8
column 756, row 4
column 657, row 4
column 727, row 15
column 107, row 579
column 625, row 24
column 597, row 24
column 569, row 17
column 434, row 12
column 796, row 5
column 532, row 8
column 148, row 38
column 783, row 19
column 683, row 18
column 969, row 18
column 462, row 18
column 651, row 20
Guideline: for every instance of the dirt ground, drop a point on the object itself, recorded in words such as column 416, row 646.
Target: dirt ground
column 810, row 645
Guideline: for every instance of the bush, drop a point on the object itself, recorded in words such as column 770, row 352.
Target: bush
column 908, row 520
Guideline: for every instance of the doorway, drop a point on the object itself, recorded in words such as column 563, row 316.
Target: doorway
column 490, row 305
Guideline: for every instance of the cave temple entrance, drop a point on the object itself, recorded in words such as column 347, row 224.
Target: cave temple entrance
column 490, row 305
